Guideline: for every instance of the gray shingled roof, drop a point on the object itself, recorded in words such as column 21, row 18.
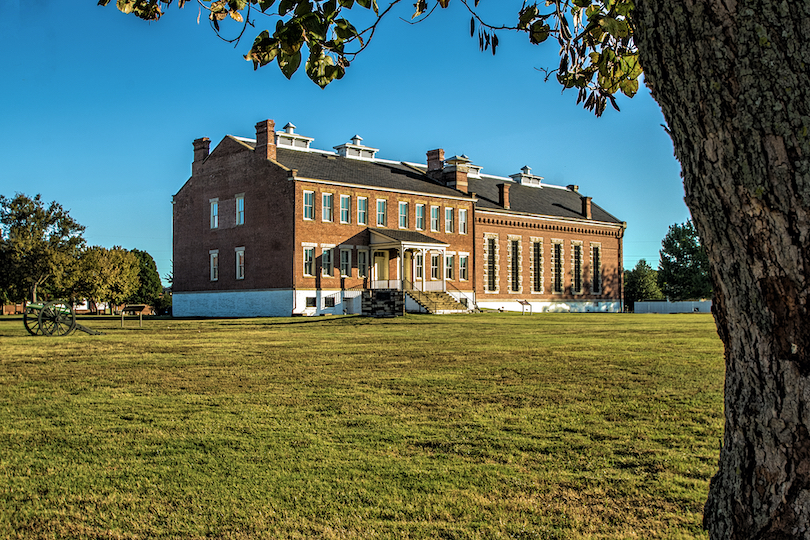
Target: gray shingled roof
column 356, row 171
column 547, row 201
column 411, row 237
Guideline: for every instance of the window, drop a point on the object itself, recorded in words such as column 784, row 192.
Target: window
column 462, row 221
column 448, row 220
column 420, row 217
column 403, row 215
column 449, row 263
column 346, row 262
column 214, row 213
column 240, row 209
column 434, row 218
column 326, row 210
column 537, row 266
column 312, row 301
column 240, row 263
column 213, row 259
column 576, row 263
column 596, row 269
column 309, row 261
column 435, row 261
column 381, row 217
column 491, row 268
column 514, row 265
column 329, row 302
column 557, row 267
column 463, row 272
column 309, row 205
column 362, row 211
column 345, row 209
column 420, row 265
column 326, row 262
column 362, row 263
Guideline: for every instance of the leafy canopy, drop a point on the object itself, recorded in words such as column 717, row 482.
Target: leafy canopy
column 39, row 246
column 641, row 283
column 684, row 269
column 598, row 56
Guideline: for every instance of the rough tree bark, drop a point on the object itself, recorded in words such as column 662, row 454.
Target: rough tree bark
column 733, row 80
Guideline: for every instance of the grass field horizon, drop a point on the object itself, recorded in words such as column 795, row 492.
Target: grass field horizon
column 497, row 425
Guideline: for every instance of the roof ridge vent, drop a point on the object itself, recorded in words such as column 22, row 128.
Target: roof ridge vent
column 526, row 178
column 356, row 149
column 290, row 139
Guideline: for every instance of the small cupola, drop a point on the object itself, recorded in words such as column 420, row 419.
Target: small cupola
column 356, row 149
column 290, row 139
column 526, row 178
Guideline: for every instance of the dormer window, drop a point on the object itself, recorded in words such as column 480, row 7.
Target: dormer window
column 355, row 149
column 526, row 178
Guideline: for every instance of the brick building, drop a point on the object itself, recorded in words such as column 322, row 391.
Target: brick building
column 272, row 227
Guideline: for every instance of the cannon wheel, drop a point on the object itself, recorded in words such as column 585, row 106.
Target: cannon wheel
column 31, row 321
column 57, row 319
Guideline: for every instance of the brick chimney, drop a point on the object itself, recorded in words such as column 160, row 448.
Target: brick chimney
column 503, row 195
column 454, row 174
column 586, row 208
column 266, row 139
column 201, row 149
column 435, row 163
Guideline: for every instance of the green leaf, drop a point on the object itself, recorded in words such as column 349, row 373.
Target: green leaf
column 320, row 68
column 289, row 63
column 344, row 29
column 266, row 4
column 237, row 5
column 346, row 3
column 285, row 6
column 303, row 8
column 539, row 32
column 582, row 3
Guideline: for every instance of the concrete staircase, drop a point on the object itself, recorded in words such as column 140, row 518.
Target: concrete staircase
column 437, row 302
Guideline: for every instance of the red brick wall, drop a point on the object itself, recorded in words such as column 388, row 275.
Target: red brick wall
column 266, row 235
column 320, row 232
column 505, row 225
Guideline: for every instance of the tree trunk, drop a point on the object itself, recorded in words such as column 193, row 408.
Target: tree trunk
column 733, row 80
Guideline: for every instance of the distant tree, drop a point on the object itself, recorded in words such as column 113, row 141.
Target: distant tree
column 40, row 246
column 107, row 275
column 149, row 286
column 683, row 273
column 641, row 283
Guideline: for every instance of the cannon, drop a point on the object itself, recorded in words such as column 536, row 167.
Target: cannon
column 53, row 319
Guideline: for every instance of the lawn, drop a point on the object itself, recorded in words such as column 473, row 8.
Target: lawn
column 552, row 426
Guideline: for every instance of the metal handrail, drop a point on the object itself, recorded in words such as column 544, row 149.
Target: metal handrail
column 419, row 296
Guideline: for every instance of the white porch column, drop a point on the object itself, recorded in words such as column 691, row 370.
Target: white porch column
column 424, row 252
column 444, row 270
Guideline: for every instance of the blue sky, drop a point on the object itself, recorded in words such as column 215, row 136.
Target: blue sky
column 100, row 110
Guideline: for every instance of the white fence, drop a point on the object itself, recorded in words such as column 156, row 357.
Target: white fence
column 664, row 306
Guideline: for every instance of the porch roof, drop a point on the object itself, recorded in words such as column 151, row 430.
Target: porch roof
column 404, row 239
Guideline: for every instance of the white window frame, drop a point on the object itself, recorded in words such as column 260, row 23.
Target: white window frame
column 327, row 262
column 577, row 260
column 214, row 208
column 213, row 264
column 420, row 265
column 327, row 210
column 382, row 213
column 420, row 217
column 448, row 220
column 462, row 221
column 463, row 267
column 309, row 260
column 240, row 209
column 449, row 266
column 240, row 262
column 345, row 262
column 309, row 209
column 536, row 265
column 435, row 266
column 403, row 216
column 362, row 263
column 555, row 259
column 347, row 209
column 596, row 268
column 434, row 218
column 362, row 210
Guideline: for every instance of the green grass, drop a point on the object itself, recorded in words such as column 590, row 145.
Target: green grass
column 481, row 426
